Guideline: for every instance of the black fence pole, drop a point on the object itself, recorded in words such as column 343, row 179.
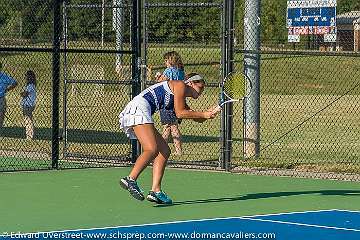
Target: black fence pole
column 229, row 68
column 223, row 75
column 56, row 84
column 136, row 63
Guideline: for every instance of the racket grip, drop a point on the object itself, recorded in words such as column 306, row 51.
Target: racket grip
column 217, row 109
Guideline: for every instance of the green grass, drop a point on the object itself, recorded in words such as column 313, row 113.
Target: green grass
column 315, row 75
column 293, row 88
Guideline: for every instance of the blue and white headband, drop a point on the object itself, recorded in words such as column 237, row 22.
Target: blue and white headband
column 196, row 77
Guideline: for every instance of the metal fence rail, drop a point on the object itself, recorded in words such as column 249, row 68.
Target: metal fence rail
column 302, row 120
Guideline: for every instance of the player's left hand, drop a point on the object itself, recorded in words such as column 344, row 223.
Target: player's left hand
column 215, row 109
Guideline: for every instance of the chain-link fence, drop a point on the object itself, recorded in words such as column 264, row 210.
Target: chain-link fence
column 308, row 101
column 95, row 83
column 20, row 149
column 197, row 37
column 301, row 119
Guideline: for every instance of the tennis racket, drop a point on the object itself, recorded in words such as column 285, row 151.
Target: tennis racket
column 235, row 87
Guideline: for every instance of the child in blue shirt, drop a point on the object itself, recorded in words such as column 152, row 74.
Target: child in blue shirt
column 174, row 71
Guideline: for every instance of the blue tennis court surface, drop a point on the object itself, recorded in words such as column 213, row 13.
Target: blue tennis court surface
column 320, row 225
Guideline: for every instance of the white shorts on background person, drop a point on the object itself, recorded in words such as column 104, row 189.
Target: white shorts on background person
column 136, row 112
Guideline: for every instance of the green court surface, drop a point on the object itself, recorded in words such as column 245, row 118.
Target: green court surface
column 92, row 198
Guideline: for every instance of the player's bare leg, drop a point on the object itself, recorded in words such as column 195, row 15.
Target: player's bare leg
column 159, row 163
column 156, row 194
column 147, row 136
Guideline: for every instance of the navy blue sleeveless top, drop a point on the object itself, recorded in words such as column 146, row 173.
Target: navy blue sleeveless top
column 159, row 96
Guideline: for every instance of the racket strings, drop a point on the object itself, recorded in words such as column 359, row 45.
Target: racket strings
column 234, row 86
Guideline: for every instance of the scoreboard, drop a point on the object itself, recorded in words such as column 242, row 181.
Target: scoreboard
column 306, row 17
column 313, row 17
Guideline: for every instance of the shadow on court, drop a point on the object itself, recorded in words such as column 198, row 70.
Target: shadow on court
column 253, row 196
column 92, row 136
column 74, row 135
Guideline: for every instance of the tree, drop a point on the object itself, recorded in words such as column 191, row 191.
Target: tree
column 35, row 15
column 273, row 19
column 165, row 24
column 347, row 5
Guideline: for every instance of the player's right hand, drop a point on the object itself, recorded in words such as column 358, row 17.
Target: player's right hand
column 215, row 109
column 210, row 114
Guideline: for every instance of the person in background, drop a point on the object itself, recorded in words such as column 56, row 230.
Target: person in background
column 7, row 83
column 28, row 102
column 174, row 71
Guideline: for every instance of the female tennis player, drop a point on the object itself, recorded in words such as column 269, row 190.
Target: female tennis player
column 137, row 122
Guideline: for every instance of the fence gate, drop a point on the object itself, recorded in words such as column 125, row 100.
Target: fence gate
column 97, row 85
column 197, row 36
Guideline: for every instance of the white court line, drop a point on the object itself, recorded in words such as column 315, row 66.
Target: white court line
column 185, row 221
column 137, row 225
column 343, row 210
column 193, row 220
column 290, row 213
column 303, row 224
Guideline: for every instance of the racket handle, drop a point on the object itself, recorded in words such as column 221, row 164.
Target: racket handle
column 217, row 109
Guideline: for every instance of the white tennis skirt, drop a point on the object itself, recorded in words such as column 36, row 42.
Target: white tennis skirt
column 136, row 112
